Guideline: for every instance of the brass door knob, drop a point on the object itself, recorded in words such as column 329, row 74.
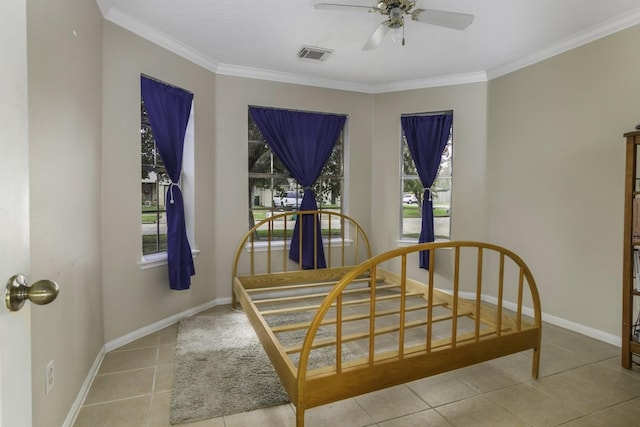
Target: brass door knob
column 18, row 291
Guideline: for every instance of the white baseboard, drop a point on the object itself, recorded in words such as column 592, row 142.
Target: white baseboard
column 126, row 339
column 557, row 321
column 584, row 330
column 161, row 324
column 84, row 390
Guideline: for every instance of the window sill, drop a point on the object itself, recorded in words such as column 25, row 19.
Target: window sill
column 411, row 242
column 159, row 259
column 278, row 245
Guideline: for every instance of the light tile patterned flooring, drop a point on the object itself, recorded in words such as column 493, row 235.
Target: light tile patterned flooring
column 581, row 384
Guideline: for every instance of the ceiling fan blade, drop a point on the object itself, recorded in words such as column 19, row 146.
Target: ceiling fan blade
column 335, row 6
column 377, row 37
column 454, row 20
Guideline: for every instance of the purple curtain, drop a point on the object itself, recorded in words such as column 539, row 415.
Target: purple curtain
column 427, row 137
column 303, row 142
column 168, row 109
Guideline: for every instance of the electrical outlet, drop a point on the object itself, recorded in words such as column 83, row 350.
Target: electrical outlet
column 48, row 377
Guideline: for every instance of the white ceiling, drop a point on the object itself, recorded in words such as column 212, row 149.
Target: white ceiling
column 261, row 38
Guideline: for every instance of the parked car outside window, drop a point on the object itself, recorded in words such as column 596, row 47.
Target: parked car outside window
column 288, row 200
column 409, row 199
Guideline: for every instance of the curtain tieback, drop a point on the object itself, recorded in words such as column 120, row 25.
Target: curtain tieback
column 171, row 191
column 426, row 190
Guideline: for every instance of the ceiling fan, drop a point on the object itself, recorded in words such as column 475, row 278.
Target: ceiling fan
column 396, row 10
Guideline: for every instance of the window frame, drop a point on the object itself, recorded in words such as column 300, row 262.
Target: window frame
column 402, row 240
column 186, row 184
column 342, row 145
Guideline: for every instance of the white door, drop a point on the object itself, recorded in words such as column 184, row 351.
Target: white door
column 15, row 327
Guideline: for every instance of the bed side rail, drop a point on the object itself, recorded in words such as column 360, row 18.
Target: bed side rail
column 485, row 292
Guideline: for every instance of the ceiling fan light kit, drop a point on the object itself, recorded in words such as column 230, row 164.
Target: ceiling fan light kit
column 396, row 10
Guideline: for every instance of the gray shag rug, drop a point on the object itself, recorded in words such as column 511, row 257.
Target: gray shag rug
column 221, row 369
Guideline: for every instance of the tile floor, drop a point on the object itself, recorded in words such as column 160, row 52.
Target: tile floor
column 581, row 384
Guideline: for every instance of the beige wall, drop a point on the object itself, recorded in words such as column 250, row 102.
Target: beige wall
column 555, row 174
column 65, row 99
column 133, row 297
column 233, row 96
column 468, row 204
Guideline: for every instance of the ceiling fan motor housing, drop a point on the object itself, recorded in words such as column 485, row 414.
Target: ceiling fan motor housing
column 386, row 7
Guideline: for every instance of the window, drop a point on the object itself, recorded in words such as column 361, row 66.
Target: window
column 273, row 190
column 154, row 184
column 413, row 192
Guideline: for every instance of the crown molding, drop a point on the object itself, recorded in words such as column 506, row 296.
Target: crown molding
column 261, row 74
column 149, row 33
column 153, row 35
column 282, row 77
column 607, row 28
column 448, row 80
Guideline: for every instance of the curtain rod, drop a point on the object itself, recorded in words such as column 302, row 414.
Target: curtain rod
column 299, row 111
column 435, row 113
column 146, row 76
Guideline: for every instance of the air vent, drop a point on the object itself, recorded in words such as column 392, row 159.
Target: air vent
column 310, row 53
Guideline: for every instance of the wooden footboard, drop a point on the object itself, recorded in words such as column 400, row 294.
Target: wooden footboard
column 428, row 329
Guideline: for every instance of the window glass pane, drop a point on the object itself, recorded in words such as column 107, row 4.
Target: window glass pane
column 154, row 182
column 333, row 167
column 411, row 208
column 408, row 167
column 259, row 157
column 328, row 193
column 441, row 194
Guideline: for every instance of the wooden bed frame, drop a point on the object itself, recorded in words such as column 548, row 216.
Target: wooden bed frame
column 363, row 323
